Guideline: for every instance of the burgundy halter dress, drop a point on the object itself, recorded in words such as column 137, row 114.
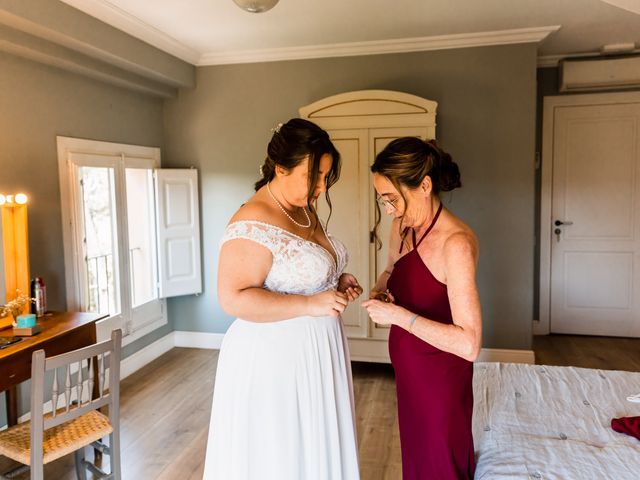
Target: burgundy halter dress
column 434, row 388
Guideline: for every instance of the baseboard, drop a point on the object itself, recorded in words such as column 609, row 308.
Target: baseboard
column 364, row 350
column 361, row 349
column 367, row 350
column 506, row 356
column 145, row 355
column 186, row 339
column 161, row 346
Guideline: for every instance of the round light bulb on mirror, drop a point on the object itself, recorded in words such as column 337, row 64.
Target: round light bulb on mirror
column 256, row 6
column 21, row 198
column 3, row 199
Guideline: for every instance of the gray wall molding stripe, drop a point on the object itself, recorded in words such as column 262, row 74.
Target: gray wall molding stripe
column 38, row 50
column 65, row 26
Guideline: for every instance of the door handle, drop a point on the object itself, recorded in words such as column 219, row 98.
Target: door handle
column 557, row 223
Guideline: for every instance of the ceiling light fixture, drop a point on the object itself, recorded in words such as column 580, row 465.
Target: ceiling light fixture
column 256, row 6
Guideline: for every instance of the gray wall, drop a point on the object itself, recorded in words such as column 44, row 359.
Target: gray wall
column 486, row 119
column 36, row 104
column 547, row 84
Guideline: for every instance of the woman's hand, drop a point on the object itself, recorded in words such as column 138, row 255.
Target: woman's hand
column 348, row 284
column 329, row 303
column 385, row 296
column 384, row 313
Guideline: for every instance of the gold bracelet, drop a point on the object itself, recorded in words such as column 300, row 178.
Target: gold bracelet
column 412, row 321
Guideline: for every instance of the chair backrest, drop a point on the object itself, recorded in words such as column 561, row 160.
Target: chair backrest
column 89, row 377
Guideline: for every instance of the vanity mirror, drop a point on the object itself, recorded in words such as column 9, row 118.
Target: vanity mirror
column 14, row 250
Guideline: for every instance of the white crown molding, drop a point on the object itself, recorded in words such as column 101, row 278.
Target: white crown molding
column 404, row 45
column 554, row 60
column 632, row 6
column 116, row 17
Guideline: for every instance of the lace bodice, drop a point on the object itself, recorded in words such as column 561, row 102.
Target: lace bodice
column 299, row 266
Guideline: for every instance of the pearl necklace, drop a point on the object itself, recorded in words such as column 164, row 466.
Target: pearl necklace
column 287, row 214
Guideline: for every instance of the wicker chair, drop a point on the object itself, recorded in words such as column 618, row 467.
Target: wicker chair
column 74, row 421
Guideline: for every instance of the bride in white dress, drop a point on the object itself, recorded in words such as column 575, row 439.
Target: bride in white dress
column 283, row 398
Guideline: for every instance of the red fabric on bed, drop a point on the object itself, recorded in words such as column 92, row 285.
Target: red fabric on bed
column 628, row 425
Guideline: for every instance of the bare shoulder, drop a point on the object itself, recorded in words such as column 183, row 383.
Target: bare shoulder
column 460, row 243
column 256, row 208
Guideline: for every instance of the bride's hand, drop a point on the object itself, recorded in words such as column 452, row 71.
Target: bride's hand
column 330, row 303
column 348, row 284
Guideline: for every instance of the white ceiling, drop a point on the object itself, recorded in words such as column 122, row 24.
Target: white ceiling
column 205, row 32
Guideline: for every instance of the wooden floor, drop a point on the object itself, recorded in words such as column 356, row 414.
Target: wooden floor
column 165, row 409
column 164, row 412
column 607, row 353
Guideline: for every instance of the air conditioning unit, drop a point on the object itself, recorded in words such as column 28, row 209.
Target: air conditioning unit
column 601, row 73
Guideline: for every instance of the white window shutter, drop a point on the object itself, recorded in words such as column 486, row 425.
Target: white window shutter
column 178, row 224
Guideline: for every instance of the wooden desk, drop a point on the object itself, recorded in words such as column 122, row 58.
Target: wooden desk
column 61, row 332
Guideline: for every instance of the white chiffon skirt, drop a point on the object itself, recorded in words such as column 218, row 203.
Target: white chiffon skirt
column 283, row 403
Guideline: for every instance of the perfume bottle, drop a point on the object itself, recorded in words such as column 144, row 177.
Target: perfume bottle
column 39, row 294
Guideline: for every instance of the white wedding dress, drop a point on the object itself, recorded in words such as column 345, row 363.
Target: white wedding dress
column 283, row 397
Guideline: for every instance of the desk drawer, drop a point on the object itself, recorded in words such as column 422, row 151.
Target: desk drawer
column 17, row 368
column 16, row 371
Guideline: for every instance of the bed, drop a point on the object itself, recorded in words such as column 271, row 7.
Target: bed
column 543, row 422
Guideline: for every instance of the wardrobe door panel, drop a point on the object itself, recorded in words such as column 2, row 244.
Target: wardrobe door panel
column 349, row 220
column 379, row 138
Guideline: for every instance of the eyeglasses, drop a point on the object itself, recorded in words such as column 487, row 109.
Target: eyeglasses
column 386, row 203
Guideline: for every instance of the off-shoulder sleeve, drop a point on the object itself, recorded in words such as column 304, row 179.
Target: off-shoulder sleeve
column 258, row 232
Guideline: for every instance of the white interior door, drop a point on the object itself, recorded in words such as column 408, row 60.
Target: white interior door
column 595, row 252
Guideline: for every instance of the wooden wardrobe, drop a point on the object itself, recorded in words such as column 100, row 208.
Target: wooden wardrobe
column 360, row 125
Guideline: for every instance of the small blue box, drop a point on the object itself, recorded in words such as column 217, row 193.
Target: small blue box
column 27, row 320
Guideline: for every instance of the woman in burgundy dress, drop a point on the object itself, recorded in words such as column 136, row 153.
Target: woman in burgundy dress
column 433, row 308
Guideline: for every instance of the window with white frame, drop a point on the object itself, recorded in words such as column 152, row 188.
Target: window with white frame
column 131, row 233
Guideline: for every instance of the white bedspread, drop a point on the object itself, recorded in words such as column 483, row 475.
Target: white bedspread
column 542, row 422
